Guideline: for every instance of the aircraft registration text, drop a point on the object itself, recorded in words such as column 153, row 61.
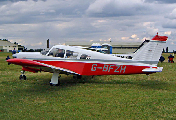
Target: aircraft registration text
column 109, row 68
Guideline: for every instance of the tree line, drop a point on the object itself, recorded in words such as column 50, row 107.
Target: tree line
column 167, row 50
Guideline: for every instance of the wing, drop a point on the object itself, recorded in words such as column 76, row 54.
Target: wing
column 35, row 66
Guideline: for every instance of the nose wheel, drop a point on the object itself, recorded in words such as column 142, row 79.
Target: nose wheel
column 22, row 76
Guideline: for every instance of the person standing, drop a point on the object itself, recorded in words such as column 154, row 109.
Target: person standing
column 14, row 51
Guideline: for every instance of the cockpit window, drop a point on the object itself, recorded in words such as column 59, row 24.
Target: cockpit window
column 56, row 52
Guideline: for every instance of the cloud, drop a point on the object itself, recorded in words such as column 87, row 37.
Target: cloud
column 31, row 11
column 37, row 44
column 35, row 21
column 19, row 0
column 170, row 21
column 65, row 25
column 125, row 38
column 109, row 8
column 161, row 1
column 172, row 15
column 168, row 32
column 133, row 36
column 172, row 43
column 150, row 29
column 170, row 24
column 99, row 23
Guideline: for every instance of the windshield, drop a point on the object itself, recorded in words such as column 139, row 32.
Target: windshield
column 44, row 52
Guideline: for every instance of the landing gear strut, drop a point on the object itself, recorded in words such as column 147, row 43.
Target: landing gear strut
column 54, row 79
column 22, row 76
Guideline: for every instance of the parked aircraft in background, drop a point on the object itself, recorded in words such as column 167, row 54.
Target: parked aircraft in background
column 63, row 59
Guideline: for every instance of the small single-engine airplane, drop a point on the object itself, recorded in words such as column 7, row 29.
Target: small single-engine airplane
column 63, row 59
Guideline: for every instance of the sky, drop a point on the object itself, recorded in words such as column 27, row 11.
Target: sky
column 32, row 22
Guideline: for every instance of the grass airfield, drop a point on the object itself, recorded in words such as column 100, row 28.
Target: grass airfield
column 101, row 97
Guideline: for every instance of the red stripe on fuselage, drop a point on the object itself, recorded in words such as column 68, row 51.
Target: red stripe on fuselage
column 83, row 68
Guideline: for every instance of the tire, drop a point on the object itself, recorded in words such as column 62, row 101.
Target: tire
column 22, row 77
column 79, row 76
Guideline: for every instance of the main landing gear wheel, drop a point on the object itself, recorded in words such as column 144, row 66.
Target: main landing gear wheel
column 51, row 84
column 77, row 76
column 22, row 76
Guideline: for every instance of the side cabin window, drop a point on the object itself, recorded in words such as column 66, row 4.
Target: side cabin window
column 84, row 56
column 71, row 54
column 60, row 53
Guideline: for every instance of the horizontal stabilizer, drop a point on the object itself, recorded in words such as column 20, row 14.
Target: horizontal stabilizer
column 158, row 69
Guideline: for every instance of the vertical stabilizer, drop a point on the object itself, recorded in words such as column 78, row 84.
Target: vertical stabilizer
column 151, row 51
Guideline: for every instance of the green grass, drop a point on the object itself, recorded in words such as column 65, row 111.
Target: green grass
column 101, row 97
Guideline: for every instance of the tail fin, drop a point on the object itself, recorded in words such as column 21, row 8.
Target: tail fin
column 151, row 51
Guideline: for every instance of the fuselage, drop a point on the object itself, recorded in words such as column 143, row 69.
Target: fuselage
column 74, row 60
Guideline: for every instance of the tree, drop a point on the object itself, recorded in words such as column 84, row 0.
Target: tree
column 163, row 51
column 16, row 43
column 31, row 50
column 4, row 39
column 167, row 49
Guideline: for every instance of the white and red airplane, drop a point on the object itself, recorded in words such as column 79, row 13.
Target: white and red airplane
column 63, row 59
